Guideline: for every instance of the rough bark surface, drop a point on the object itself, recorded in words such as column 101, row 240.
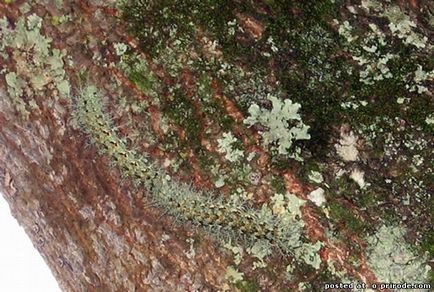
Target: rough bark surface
column 96, row 230
column 91, row 228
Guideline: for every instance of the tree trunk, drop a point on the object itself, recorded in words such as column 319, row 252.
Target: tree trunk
column 83, row 202
column 93, row 230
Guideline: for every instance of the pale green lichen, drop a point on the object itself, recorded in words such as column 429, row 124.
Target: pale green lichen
column 304, row 286
column 393, row 262
column 345, row 30
column 290, row 272
column 37, row 64
column 233, row 275
column 332, row 268
column 316, row 177
column 375, row 52
column 260, row 250
column 287, row 207
column 402, row 26
column 25, row 8
column 15, row 89
column 120, row 48
column 420, row 77
column 226, row 146
column 372, row 4
column 236, row 250
column 220, row 182
column 283, row 124
column 309, row 253
column 430, row 119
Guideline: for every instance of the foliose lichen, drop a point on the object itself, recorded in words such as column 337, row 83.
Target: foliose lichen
column 39, row 67
column 283, row 124
column 392, row 260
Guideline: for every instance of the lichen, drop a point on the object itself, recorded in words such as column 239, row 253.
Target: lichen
column 316, row 177
column 346, row 148
column 393, row 262
column 283, row 124
column 402, row 26
column 225, row 146
column 233, row 275
column 317, row 197
column 37, row 64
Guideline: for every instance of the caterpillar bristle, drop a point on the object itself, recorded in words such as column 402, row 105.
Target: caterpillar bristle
column 224, row 218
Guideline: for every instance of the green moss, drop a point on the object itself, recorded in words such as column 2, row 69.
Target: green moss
column 278, row 184
column 368, row 199
column 138, row 71
column 428, row 243
column 248, row 285
column 343, row 215
column 181, row 111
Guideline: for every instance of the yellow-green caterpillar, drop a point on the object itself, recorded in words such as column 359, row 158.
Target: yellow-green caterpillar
column 216, row 213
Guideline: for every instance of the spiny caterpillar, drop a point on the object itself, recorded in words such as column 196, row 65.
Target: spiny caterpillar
column 216, row 213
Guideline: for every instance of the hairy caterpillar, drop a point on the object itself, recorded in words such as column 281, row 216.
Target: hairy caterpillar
column 216, row 213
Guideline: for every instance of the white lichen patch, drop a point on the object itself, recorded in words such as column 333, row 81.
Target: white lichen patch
column 346, row 148
column 220, row 182
column 400, row 24
column 283, row 124
column 120, row 48
column 375, row 52
column 371, row 4
column 373, row 62
column 345, row 30
column 226, row 146
column 353, row 104
column 392, row 260
column 420, row 77
column 357, row 175
column 317, row 197
column 430, row 119
column 316, row 177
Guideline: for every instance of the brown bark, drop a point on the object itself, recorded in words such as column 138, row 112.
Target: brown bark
column 96, row 231
column 92, row 228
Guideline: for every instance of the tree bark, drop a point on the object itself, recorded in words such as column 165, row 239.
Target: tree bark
column 95, row 228
column 92, row 229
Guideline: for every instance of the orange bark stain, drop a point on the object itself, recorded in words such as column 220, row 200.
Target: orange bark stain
column 253, row 26
column 155, row 120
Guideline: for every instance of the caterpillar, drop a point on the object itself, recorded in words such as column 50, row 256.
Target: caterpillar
column 216, row 213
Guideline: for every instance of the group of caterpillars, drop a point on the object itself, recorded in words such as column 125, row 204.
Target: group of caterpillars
column 215, row 213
